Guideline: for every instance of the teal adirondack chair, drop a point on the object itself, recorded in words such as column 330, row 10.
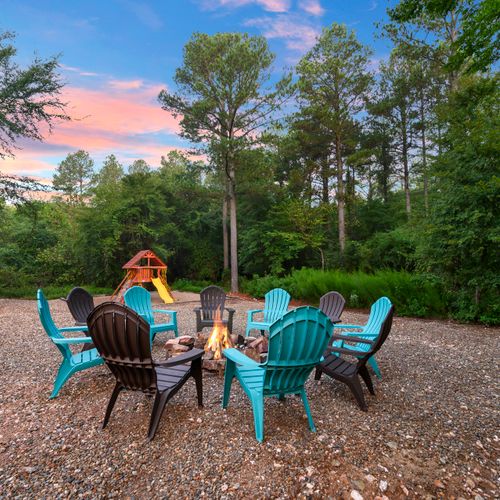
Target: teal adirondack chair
column 139, row 299
column 275, row 305
column 296, row 344
column 72, row 363
column 370, row 331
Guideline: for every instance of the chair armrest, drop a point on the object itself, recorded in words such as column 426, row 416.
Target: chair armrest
column 251, row 312
column 239, row 358
column 83, row 328
column 352, row 338
column 351, row 352
column 229, row 309
column 164, row 311
column 74, row 340
column 182, row 358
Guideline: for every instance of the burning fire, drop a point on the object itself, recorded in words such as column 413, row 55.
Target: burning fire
column 219, row 338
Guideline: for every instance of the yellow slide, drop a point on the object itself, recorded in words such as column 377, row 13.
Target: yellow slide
column 162, row 290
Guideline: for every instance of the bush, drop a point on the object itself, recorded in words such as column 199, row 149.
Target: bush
column 183, row 285
column 51, row 292
column 413, row 295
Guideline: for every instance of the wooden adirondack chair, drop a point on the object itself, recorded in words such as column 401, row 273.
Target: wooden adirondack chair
column 332, row 304
column 275, row 305
column 123, row 339
column 213, row 300
column 139, row 299
column 378, row 313
column 349, row 372
column 296, row 344
column 72, row 363
column 80, row 304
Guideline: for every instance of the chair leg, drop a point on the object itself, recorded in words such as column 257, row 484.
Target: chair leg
column 258, row 415
column 308, row 410
column 281, row 397
column 63, row 374
column 158, row 407
column 196, row 373
column 365, row 375
column 262, row 332
column 247, row 331
column 118, row 388
column 373, row 363
column 228, row 380
column 318, row 373
column 357, row 390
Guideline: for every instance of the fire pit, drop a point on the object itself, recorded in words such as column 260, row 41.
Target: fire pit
column 215, row 342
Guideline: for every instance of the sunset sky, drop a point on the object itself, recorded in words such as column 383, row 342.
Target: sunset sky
column 116, row 56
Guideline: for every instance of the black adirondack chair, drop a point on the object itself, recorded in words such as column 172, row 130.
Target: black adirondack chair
column 332, row 304
column 80, row 304
column 122, row 339
column 213, row 300
column 349, row 372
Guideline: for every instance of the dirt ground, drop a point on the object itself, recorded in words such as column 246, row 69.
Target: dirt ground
column 431, row 431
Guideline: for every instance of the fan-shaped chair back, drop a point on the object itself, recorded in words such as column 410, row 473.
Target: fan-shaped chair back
column 296, row 344
column 139, row 299
column 276, row 304
column 385, row 329
column 212, row 298
column 378, row 313
column 122, row 338
column 48, row 323
column 332, row 304
column 80, row 304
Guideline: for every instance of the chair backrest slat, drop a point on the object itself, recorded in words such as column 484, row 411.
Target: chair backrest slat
column 296, row 344
column 332, row 304
column 212, row 298
column 139, row 299
column 48, row 323
column 122, row 338
column 276, row 304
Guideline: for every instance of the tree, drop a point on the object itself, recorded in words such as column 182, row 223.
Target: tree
column 333, row 78
column 111, row 172
column 74, row 176
column 30, row 98
column 223, row 105
column 461, row 245
column 139, row 167
column 476, row 44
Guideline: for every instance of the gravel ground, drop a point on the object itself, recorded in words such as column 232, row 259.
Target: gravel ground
column 431, row 431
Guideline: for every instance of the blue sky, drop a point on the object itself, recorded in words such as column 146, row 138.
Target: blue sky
column 117, row 54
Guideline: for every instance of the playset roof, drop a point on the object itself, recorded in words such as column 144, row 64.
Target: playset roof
column 153, row 260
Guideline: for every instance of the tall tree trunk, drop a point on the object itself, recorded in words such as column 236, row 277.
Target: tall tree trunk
column 225, row 230
column 234, row 232
column 325, row 177
column 406, row 168
column 340, row 193
column 424, row 153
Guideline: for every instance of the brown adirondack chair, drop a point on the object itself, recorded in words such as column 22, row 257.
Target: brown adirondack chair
column 80, row 304
column 122, row 339
column 213, row 300
column 332, row 304
column 349, row 372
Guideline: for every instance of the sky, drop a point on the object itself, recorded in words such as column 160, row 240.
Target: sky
column 116, row 56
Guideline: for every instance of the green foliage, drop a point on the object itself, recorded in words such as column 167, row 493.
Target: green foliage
column 74, row 175
column 51, row 292
column 413, row 295
column 463, row 233
column 183, row 285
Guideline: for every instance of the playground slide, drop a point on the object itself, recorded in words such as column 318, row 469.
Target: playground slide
column 162, row 290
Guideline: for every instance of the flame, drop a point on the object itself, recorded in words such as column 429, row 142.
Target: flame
column 219, row 338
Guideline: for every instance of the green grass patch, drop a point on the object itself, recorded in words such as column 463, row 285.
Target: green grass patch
column 183, row 285
column 412, row 294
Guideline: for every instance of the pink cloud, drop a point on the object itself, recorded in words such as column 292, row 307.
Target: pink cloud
column 125, row 119
column 298, row 35
column 126, row 84
column 312, row 7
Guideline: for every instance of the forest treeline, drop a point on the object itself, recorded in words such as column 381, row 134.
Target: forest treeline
column 371, row 181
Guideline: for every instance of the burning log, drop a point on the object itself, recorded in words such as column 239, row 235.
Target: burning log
column 219, row 338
